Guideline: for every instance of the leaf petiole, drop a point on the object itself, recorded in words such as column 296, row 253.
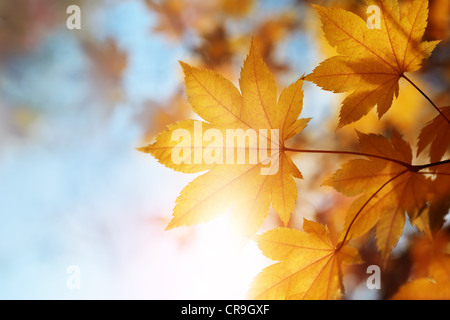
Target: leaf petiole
column 426, row 97
column 402, row 163
column 365, row 204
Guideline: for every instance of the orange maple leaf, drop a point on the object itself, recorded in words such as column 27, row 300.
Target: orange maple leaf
column 436, row 133
column 223, row 107
column 310, row 264
column 431, row 261
column 388, row 186
column 371, row 61
column 431, row 217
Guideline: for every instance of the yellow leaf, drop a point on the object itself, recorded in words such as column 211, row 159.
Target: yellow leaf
column 210, row 195
column 248, row 187
column 431, row 267
column 436, row 133
column 259, row 92
column 310, row 267
column 424, row 289
column 284, row 190
column 213, row 97
column 431, row 217
column 289, row 108
column 371, row 61
column 166, row 141
column 389, row 229
column 387, row 189
column 237, row 7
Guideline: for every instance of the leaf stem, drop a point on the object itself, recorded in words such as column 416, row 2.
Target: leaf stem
column 426, row 97
column 406, row 165
column 365, row 204
column 415, row 169
column 408, row 168
column 433, row 164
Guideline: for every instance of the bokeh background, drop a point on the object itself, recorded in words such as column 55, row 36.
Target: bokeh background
column 74, row 105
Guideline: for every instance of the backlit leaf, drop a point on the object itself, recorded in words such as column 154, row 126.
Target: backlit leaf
column 310, row 267
column 243, row 186
column 371, row 61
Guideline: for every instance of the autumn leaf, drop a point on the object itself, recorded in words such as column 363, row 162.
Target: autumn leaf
column 108, row 59
column 383, row 184
column 170, row 19
column 387, row 188
column 431, row 217
column 431, row 265
column 237, row 8
column 310, row 264
column 371, row 61
column 436, row 133
column 424, row 289
column 223, row 106
column 431, row 256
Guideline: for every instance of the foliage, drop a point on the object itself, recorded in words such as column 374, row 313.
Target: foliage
column 385, row 186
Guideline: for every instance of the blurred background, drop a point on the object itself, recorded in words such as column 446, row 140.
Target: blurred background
column 74, row 105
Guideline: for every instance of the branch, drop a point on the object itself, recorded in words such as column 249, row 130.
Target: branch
column 405, row 164
column 365, row 204
column 426, row 97
column 429, row 165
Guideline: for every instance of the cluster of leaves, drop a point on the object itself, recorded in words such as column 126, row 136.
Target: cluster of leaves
column 387, row 186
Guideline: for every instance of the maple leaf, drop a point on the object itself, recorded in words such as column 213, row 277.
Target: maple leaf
column 387, row 188
column 436, row 133
column 431, row 260
column 371, row 61
column 431, row 217
column 108, row 59
column 310, row 264
column 237, row 8
column 424, row 289
column 170, row 20
column 222, row 106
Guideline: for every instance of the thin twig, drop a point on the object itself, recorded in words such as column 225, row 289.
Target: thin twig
column 405, row 164
column 426, row 97
column 365, row 204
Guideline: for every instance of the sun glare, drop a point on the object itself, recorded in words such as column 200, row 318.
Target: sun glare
column 226, row 261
